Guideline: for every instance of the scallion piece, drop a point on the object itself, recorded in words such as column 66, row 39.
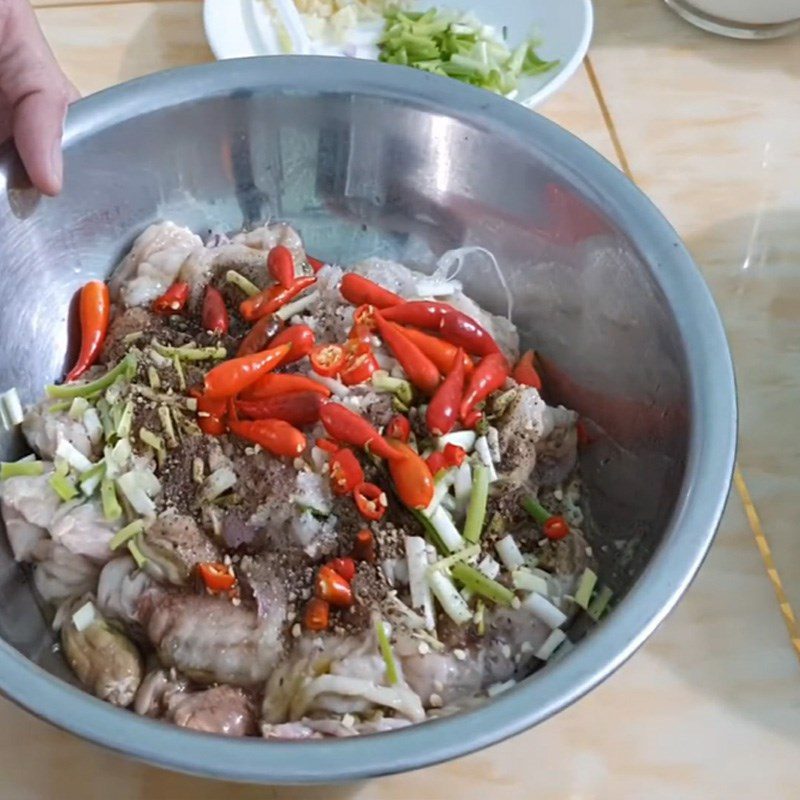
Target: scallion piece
column 476, row 581
column 126, row 368
column 59, row 407
column 187, row 353
column 600, row 603
column 476, row 510
column 20, row 469
column 91, row 478
column 461, row 555
column 536, row 510
column 176, row 362
column 386, row 651
column 239, row 280
column 128, row 532
column 112, row 510
column 63, row 487
column 382, row 381
column 78, row 407
column 166, row 425
column 138, row 556
column 451, row 601
column 585, row 588
column 125, row 421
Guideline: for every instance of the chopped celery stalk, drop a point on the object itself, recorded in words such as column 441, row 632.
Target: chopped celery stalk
column 20, row 469
column 90, row 480
column 176, row 362
column 112, row 510
column 600, row 603
column 133, row 549
column 78, row 407
column 57, row 408
column 536, row 510
column 239, row 280
column 585, row 588
column 166, row 425
column 382, row 381
column 126, row 368
column 125, row 421
column 462, row 555
column 445, row 527
column 492, row 590
column 451, row 601
column 386, row 651
column 187, row 353
column 63, row 487
column 476, row 511
column 128, row 532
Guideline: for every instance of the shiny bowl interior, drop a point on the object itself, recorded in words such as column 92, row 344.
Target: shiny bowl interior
column 367, row 159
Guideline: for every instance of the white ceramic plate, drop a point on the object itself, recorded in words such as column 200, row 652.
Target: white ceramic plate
column 240, row 28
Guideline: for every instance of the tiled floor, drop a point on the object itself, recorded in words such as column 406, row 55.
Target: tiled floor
column 708, row 128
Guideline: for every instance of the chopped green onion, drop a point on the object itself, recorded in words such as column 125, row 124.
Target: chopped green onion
column 382, row 381
column 73, row 456
column 128, row 532
column 446, row 529
column 600, row 603
column 550, row 644
column 492, row 590
column 153, row 377
column 167, row 426
column 91, row 478
column 462, row 555
column 386, row 651
column 78, row 407
column 451, row 601
column 536, row 510
column 187, row 353
column 296, row 307
column 509, row 552
column 430, row 530
column 138, row 557
column 239, row 280
column 61, row 466
column 585, row 588
column 126, row 368
column 20, row 469
column 57, row 408
column 104, row 412
column 420, row 590
column 63, row 487
column 198, row 469
column 11, row 413
column 482, row 426
column 130, row 338
column 546, row 611
column 527, row 581
column 480, row 617
column 125, row 421
column 112, row 510
column 176, row 362
column 476, row 510
column 156, row 442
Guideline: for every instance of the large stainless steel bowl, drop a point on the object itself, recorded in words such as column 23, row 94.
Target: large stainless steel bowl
column 373, row 160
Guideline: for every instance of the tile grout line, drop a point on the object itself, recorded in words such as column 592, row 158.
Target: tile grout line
column 754, row 521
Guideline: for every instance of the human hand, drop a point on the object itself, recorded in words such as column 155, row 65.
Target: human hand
column 34, row 94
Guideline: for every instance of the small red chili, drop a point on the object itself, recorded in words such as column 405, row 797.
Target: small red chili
column 298, row 408
column 270, row 300
column 314, row 263
column 346, row 567
column 556, row 528
column 412, row 478
column 454, row 455
column 95, row 309
column 328, row 360
column 173, row 300
column 346, row 426
column 359, row 369
column 443, row 409
column 214, row 314
column 399, row 428
column 487, row 377
column 233, row 376
column 300, row 337
column 346, row 472
column 358, row 290
column 211, row 414
column 525, row 371
column 364, row 546
column 280, row 265
column 332, row 587
column 260, row 335
column 359, row 340
column 277, row 383
column 274, row 435
column 317, row 614
column 365, row 315
column 439, row 351
column 327, row 445
column 421, row 371
column 436, row 462
column 370, row 500
column 472, row 419
column 217, row 577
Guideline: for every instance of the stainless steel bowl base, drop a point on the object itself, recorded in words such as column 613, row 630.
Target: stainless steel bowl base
column 366, row 159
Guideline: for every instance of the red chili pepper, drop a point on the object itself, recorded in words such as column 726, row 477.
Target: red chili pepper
column 232, row 377
column 525, row 371
column 217, row 577
column 280, row 265
column 345, row 567
column 328, row 360
column 211, row 414
column 439, row 351
column 215, row 315
column 443, row 409
column 317, row 615
column 270, row 300
column 346, row 426
column 584, row 439
column 332, row 587
column 472, row 419
column 212, row 426
column 359, row 340
column 556, row 528
column 421, row 371
column 399, row 428
column 327, row 445
column 359, row 369
column 411, row 476
column 436, row 462
column 454, row 455
column 488, row 376
column 274, row 435
column 364, row 546
column 451, row 324
column 300, row 337
column 273, row 384
column 299, row 408
column 346, row 472
column 95, row 308
column 173, row 300
column 358, row 290
column 370, row 500
column 260, row 335
column 314, row 263
column 365, row 315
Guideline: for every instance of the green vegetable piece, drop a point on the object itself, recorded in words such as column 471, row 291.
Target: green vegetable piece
column 138, row 556
column 536, row 510
column 20, row 469
column 126, row 534
column 478, row 582
column 191, row 353
column 63, row 487
column 386, row 651
column 600, row 603
column 126, row 369
column 585, row 588
column 476, row 510
column 239, row 280
column 112, row 510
